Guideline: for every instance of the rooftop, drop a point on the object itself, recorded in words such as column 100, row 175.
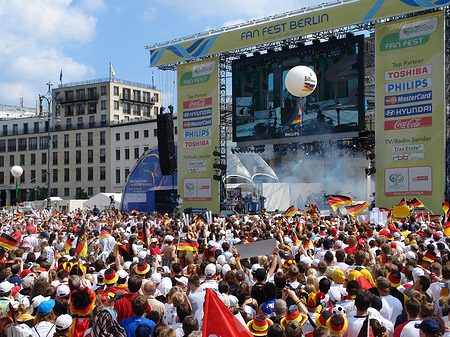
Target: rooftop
column 105, row 80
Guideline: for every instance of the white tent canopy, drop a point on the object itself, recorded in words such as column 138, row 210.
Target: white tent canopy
column 102, row 200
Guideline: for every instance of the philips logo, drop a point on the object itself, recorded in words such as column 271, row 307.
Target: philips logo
column 408, row 85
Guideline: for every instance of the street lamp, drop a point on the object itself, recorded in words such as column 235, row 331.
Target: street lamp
column 48, row 97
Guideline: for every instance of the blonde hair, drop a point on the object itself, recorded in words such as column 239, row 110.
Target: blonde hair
column 177, row 298
column 312, row 280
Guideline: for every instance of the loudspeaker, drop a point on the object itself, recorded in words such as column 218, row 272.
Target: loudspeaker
column 166, row 144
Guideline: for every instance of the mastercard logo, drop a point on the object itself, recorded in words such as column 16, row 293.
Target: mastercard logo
column 390, row 100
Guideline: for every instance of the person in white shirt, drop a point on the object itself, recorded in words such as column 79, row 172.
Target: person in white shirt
column 392, row 307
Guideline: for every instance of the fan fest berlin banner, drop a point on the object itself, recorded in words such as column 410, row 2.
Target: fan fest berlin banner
column 410, row 119
column 198, row 134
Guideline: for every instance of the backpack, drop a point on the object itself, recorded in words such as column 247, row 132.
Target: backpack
column 106, row 325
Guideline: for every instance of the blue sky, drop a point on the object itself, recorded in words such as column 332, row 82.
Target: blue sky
column 81, row 37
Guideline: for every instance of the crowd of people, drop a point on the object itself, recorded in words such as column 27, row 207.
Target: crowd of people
column 102, row 273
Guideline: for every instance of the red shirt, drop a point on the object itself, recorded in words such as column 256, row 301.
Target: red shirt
column 155, row 251
column 17, row 235
column 123, row 307
column 33, row 229
column 350, row 250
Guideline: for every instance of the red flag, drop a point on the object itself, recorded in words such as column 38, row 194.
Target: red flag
column 8, row 242
column 298, row 119
column 402, row 202
column 218, row 319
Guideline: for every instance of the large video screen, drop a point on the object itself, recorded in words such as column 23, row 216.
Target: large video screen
column 263, row 109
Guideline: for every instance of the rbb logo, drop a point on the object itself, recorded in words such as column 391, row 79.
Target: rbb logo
column 400, row 157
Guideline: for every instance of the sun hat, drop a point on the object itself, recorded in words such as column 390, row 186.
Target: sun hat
column 321, row 319
column 337, row 324
column 111, row 276
column 293, row 315
column 259, row 325
column 142, row 268
column 395, row 278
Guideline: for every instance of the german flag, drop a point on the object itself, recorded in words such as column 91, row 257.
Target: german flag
column 67, row 245
column 122, row 250
column 402, row 202
column 105, row 233
column 187, row 244
column 134, row 212
column 416, row 203
column 295, row 240
column 290, row 211
column 357, row 208
column 8, row 242
column 88, row 208
column 447, row 229
column 81, row 248
column 298, row 119
column 434, row 217
column 336, row 201
column 446, row 206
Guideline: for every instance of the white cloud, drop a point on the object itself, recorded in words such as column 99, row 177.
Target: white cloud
column 31, row 49
column 148, row 15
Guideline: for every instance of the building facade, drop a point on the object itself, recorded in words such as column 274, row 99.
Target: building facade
column 98, row 130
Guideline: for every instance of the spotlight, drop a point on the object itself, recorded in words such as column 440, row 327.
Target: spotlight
column 216, row 177
column 369, row 171
column 217, row 154
column 371, row 156
column 220, row 166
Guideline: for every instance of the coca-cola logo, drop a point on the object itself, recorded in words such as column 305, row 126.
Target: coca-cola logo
column 198, row 103
column 410, row 123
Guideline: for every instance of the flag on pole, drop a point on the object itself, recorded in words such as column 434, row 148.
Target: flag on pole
column 357, row 208
column 81, row 248
column 446, row 206
column 290, row 211
column 298, row 119
column 218, row 320
column 113, row 73
column 60, row 76
column 187, row 244
column 416, row 203
column 67, row 245
column 402, row 202
column 8, row 242
column 335, row 201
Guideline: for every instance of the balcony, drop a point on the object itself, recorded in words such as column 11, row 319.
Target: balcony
column 80, row 98
column 130, row 98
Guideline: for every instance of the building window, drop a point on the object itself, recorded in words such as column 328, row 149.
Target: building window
column 43, row 143
column 78, row 174
column 68, row 110
column 80, row 94
column 2, row 161
column 136, row 153
column 55, row 158
column 92, row 93
column 156, row 97
column 136, row 134
column 33, row 159
column 103, row 120
column 103, row 105
column 136, row 110
column 90, row 138
column 126, row 118
column 92, row 108
column 127, row 135
column 90, row 190
column 25, row 128
column 117, row 136
column 155, row 133
column 90, row 156
column 55, row 175
column 3, row 145
column 90, row 173
column 78, row 157
column 137, row 95
column 35, row 127
column 155, row 110
column 102, row 156
column 146, row 133
column 15, row 129
column 5, row 129
column 126, row 93
column 66, row 191
column 102, row 173
column 66, row 141
column 32, row 143
column 11, row 160
column 102, row 137
column 145, row 148
column 103, row 90
column 117, row 154
column 44, row 176
column 127, row 172
column 80, row 123
column 69, row 124
column 2, row 178
column 22, row 144
column 176, row 130
column 21, row 159
column 127, row 154
column 146, row 111
column 66, row 157
column 91, row 121
column 43, row 158
column 78, row 140
column 55, row 141
column 116, row 91
column 126, row 108
column 146, row 97
column 66, row 174
column 32, row 176
column 102, row 189
column 116, row 105
column 118, row 176
column 22, row 177
column 12, row 145
column 11, row 179
column 116, row 118
column 81, row 109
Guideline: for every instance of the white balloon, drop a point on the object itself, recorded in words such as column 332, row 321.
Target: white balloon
column 16, row 171
column 301, row 81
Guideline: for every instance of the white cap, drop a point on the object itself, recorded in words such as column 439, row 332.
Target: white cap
column 135, row 260
column 25, row 300
column 210, row 270
column 335, row 295
column 255, row 267
column 221, row 259
column 397, row 235
column 234, row 302
column 211, row 243
column 410, row 255
column 225, row 269
column 315, row 262
column 168, row 238
column 127, row 265
column 101, row 273
column 62, row 290
column 142, row 254
column 12, row 306
column 38, row 299
column 156, row 277
column 305, row 259
column 63, row 322
column 416, row 273
column 6, row 286
column 122, row 273
column 154, row 240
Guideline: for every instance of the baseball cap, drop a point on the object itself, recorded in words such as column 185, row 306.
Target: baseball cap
column 254, row 268
column 143, row 330
column 142, row 255
column 225, row 269
column 62, row 290
column 221, row 259
column 27, row 282
column 410, row 255
column 428, row 325
column 397, row 235
column 6, row 286
column 156, row 277
column 46, row 307
column 122, row 273
column 210, row 270
column 154, row 240
column 168, row 238
column 63, row 322
column 416, row 273
column 38, row 300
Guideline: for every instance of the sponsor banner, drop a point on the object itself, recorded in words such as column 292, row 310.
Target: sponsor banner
column 409, row 98
column 198, row 99
column 408, row 111
column 197, row 113
column 296, row 24
column 408, row 85
column 407, row 73
column 410, row 141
